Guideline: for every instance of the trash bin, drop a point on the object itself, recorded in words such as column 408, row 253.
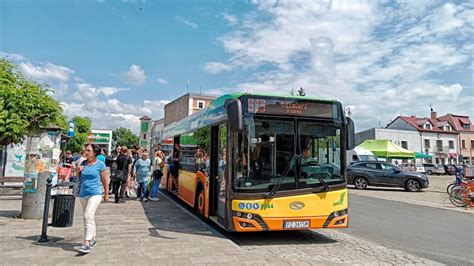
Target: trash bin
column 63, row 210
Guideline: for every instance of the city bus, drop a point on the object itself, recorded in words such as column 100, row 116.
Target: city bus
column 263, row 162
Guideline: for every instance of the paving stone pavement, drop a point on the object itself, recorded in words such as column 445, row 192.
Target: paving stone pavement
column 433, row 196
column 166, row 234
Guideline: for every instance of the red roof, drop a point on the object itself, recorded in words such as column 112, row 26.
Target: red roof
column 418, row 123
column 458, row 121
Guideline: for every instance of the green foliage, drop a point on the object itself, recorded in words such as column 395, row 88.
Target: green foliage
column 82, row 128
column 25, row 105
column 124, row 137
column 203, row 135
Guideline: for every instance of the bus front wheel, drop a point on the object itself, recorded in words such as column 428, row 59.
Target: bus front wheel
column 199, row 204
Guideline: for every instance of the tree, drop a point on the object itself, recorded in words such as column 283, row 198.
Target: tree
column 25, row 105
column 82, row 128
column 301, row 92
column 124, row 137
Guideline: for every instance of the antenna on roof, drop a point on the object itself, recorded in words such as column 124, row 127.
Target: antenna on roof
column 431, row 107
column 200, row 89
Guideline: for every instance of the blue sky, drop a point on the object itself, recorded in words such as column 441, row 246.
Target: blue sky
column 114, row 61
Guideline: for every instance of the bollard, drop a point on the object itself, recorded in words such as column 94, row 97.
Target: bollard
column 44, row 231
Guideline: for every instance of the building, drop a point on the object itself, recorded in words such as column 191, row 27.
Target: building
column 407, row 139
column 464, row 127
column 186, row 105
column 102, row 138
column 145, row 132
column 157, row 127
column 437, row 138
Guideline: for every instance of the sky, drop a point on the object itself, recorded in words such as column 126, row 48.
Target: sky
column 115, row 61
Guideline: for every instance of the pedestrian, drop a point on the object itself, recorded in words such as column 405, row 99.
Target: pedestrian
column 124, row 167
column 158, row 165
column 111, row 163
column 142, row 173
column 101, row 156
column 93, row 180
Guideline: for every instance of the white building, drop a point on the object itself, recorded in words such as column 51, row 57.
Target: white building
column 435, row 137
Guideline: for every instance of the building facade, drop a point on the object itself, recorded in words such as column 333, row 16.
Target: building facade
column 436, row 137
column 186, row 105
column 462, row 124
column 145, row 132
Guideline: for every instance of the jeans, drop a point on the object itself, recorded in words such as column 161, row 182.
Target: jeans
column 154, row 188
column 119, row 187
column 142, row 187
column 89, row 207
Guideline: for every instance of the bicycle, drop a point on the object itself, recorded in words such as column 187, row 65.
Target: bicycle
column 461, row 196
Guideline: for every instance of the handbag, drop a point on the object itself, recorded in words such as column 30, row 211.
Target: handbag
column 120, row 175
column 157, row 173
column 76, row 189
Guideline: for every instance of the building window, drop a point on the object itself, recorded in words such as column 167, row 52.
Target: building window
column 463, row 143
column 466, row 126
column 427, row 143
column 472, row 144
column 200, row 104
column 447, row 128
column 404, row 144
column 451, row 144
column 144, row 136
column 439, row 145
column 427, row 126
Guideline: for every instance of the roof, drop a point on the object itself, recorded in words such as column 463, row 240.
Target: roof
column 458, row 121
column 145, row 117
column 419, row 122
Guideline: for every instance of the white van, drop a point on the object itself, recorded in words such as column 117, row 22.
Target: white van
column 360, row 154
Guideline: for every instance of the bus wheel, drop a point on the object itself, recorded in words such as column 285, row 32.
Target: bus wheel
column 199, row 204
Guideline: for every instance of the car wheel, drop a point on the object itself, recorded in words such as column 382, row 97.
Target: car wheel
column 360, row 182
column 413, row 185
column 429, row 172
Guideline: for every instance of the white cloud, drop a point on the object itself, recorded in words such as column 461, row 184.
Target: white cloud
column 162, row 81
column 186, row 22
column 383, row 59
column 135, row 75
column 46, row 71
column 12, row 56
column 231, row 19
column 216, row 67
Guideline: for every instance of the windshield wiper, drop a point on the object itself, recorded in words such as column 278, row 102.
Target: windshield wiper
column 275, row 188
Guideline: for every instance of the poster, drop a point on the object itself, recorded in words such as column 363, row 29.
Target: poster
column 15, row 165
column 30, row 185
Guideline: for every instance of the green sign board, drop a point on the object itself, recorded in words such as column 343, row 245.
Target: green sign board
column 145, row 126
column 144, row 144
column 99, row 138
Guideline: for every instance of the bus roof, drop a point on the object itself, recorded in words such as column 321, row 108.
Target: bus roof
column 215, row 113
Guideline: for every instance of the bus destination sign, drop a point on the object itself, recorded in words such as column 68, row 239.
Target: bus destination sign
column 289, row 107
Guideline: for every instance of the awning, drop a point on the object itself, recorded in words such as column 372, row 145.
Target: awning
column 420, row 155
column 386, row 149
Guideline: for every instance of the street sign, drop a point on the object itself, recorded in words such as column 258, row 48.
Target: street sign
column 70, row 132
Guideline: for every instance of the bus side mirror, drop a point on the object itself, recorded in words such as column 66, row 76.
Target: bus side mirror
column 350, row 133
column 233, row 108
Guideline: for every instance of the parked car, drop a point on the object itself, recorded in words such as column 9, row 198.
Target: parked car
column 439, row 169
column 370, row 173
column 450, row 169
column 426, row 168
column 410, row 167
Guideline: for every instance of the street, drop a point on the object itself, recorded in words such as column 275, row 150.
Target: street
column 433, row 233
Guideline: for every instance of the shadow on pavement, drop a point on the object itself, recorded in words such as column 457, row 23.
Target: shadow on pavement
column 280, row 238
column 164, row 215
column 55, row 242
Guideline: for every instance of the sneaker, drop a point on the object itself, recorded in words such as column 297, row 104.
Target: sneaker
column 145, row 200
column 93, row 243
column 154, row 199
column 85, row 249
column 138, row 199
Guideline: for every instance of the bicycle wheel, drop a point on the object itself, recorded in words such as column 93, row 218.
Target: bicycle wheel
column 458, row 196
column 450, row 187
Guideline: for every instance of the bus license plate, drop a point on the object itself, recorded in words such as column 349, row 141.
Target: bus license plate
column 295, row 224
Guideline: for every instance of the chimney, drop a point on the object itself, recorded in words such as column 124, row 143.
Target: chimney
column 433, row 115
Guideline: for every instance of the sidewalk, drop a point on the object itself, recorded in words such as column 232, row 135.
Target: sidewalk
column 163, row 233
column 131, row 233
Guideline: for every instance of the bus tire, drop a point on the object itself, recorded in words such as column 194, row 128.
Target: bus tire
column 199, row 202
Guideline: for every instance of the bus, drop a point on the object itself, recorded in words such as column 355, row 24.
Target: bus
column 263, row 162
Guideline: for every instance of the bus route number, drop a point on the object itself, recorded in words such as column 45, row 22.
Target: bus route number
column 256, row 105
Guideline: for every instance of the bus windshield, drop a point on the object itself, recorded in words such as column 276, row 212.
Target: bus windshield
column 269, row 151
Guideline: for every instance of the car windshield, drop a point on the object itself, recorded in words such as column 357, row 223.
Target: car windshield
column 266, row 155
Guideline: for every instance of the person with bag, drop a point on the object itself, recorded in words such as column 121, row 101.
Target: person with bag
column 142, row 173
column 119, row 179
column 111, row 163
column 157, row 174
column 93, row 181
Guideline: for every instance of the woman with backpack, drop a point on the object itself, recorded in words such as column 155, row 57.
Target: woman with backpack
column 158, row 164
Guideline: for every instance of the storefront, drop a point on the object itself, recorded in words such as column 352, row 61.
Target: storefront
column 102, row 138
